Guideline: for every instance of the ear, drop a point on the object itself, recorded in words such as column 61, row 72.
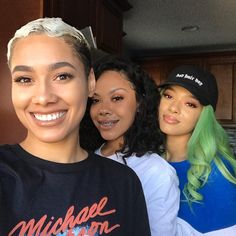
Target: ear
column 91, row 83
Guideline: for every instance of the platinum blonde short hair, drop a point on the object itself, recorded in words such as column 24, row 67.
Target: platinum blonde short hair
column 54, row 27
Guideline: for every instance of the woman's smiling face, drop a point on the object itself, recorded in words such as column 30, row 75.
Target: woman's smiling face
column 49, row 87
column 179, row 111
column 114, row 105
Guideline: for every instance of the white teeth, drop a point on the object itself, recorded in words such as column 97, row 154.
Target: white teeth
column 108, row 123
column 48, row 117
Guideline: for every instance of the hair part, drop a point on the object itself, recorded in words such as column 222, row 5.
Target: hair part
column 54, row 27
column 208, row 143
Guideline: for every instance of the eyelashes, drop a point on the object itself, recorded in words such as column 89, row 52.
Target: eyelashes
column 117, row 98
column 64, row 76
column 94, row 100
column 192, row 105
column 113, row 99
column 28, row 80
column 187, row 102
column 22, row 79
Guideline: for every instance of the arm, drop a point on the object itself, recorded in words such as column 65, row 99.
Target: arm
column 162, row 197
column 140, row 217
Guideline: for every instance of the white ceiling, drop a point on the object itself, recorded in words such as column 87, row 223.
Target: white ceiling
column 153, row 27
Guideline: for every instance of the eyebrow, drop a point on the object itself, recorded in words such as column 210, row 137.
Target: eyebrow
column 22, row 68
column 113, row 91
column 61, row 64
column 52, row 67
column 190, row 95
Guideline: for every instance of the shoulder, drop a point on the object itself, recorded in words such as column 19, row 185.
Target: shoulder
column 226, row 163
column 8, row 160
column 216, row 177
column 5, row 148
column 115, row 169
column 7, row 152
column 120, row 176
column 152, row 164
column 155, row 173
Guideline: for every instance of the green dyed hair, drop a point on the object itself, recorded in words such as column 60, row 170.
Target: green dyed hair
column 208, row 143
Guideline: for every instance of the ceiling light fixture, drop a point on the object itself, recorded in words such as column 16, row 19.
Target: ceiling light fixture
column 190, row 28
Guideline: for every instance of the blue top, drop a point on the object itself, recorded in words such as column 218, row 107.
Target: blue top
column 217, row 210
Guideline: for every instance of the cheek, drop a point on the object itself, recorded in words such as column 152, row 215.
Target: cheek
column 74, row 95
column 192, row 121
column 130, row 113
column 19, row 98
column 162, row 106
column 195, row 120
column 160, row 111
column 159, row 114
column 162, row 124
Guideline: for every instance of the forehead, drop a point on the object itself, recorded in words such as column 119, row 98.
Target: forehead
column 178, row 89
column 41, row 49
column 112, row 78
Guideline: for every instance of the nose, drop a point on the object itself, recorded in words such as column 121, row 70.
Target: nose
column 44, row 95
column 104, row 112
column 105, row 109
column 174, row 107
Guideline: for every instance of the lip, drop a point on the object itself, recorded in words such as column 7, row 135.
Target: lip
column 170, row 119
column 107, row 124
column 48, row 118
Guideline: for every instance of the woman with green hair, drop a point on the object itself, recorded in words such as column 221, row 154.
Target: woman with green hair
column 197, row 146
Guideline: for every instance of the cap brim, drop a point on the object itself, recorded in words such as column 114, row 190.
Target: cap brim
column 187, row 86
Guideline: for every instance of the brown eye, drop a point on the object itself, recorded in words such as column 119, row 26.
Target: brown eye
column 23, row 80
column 117, row 98
column 192, row 105
column 94, row 100
column 166, row 95
column 64, row 76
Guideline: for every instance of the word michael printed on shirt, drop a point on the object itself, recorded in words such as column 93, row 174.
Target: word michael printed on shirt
column 70, row 225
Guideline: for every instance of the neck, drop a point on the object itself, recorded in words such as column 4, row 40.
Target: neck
column 66, row 151
column 111, row 147
column 176, row 148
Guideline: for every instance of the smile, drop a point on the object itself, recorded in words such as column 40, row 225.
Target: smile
column 107, row 123
column 49, row 117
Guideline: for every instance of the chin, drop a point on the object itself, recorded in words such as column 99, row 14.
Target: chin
column 48, row 137
column 167, row 130
column 51, row 139
column 108, row 137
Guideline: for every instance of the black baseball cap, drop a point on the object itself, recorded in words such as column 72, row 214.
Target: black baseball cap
column 201, row 83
